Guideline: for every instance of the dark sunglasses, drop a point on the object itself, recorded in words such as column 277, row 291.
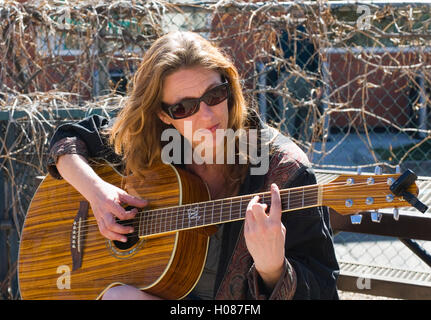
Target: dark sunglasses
column 188, row 107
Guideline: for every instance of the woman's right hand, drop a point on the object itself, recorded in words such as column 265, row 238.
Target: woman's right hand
column 107, row 202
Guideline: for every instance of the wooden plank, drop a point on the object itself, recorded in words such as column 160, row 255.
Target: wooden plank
column 408, row 226
column 385, row 288
column 384, row 281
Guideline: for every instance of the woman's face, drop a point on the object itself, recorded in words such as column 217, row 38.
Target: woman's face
column 193, row 83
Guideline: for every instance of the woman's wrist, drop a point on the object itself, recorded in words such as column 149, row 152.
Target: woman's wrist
column 270, row 276
column 75, row 169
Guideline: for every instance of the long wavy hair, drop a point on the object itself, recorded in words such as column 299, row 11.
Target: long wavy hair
column 136, row 133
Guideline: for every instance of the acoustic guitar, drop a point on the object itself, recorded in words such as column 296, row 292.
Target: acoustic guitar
column 62, row 254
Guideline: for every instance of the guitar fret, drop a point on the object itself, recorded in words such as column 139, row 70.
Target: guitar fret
column 146, row 224
column 234, row 210
column 188, row 215
column 163, row 218
column 163, row 224
column 183, row 214
column 230, row 210
column 288, row 200
column 176, row 218
column 172, row 222
column 174, row 213
column 168, row 226
column 140, row 222
column 142, row 228
column 159, row 222
column 200, row 216
column 156, row 217
column 154, row 223
column 212, row 214
column 196, row 217
column 150, row 223
column 220, row 210
column 191, row 214
column 216, row 206
column 158, row 226
column 204, row 214
column 303, row 194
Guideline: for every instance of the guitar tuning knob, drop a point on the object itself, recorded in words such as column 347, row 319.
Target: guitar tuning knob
column 376, row 216
column 359, row 171
column 377, row 170
column 397, row 169
column 396, row 214
column 356, row 218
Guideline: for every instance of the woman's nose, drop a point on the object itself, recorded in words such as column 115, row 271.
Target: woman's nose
column 205, row 111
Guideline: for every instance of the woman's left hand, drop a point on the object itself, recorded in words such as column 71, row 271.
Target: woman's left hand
column 265, row 236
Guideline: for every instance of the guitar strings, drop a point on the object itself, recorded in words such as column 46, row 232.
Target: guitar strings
column 162, row 214
column 156, row 223
column 157, row 213
column 218, row 204
column 163, row 211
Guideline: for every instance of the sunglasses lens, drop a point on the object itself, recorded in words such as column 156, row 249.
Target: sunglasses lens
column 216, row 95
column 183, row 109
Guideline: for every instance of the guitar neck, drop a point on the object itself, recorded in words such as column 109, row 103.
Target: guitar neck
column 219, row 211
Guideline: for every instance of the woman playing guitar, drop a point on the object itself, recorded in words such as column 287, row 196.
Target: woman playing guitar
column 187, row 84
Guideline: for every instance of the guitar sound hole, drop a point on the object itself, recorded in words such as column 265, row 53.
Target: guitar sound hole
column 132, row 238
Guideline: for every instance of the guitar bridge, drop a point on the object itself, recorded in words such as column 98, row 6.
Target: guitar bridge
column 77, row 235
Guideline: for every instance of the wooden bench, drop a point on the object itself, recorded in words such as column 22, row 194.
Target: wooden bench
column 386, row 280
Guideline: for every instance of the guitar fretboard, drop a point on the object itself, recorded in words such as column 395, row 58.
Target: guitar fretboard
column 219, row 211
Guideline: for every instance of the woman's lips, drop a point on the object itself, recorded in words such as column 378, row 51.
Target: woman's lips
column 213, row 128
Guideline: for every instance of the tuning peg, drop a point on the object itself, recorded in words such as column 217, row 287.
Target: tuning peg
column 377, row 170
column 397, row 169
column 376, row 216
column 359, row 171
column 396, row 214
column 356, row 218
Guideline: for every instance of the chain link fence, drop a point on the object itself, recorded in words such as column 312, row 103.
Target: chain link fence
column 349, row 82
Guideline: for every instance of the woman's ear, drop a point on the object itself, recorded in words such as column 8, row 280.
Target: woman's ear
column 164, row 117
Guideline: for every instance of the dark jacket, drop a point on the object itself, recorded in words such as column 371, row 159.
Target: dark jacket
column 311, row 268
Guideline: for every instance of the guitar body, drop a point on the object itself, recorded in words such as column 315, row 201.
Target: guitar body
column 53, row 264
